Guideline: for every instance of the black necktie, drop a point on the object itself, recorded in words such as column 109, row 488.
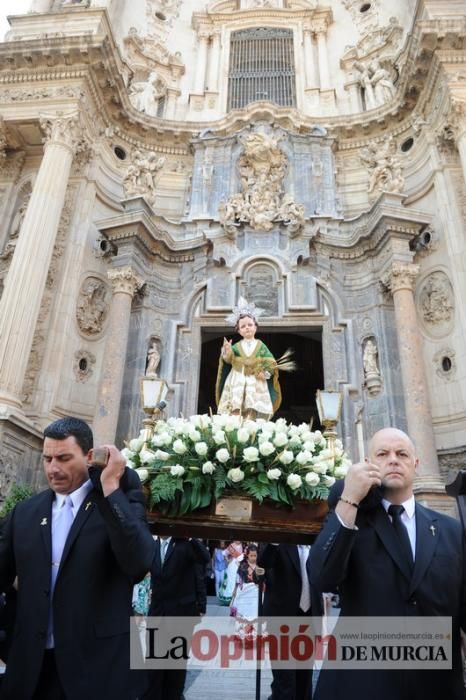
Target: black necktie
column 400, row 529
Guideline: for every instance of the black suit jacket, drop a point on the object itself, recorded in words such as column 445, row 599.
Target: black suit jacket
column 367, row 568
column 108, row 549
column 283, row 581
column 176, row 583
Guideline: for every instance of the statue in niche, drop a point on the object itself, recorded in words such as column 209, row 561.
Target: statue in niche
column 372, row 378
column 153, row 359
column 436, row 299
column 145, row 95
column 262, row 168
column 384, row 166
column 15, row 229
column 92, row 309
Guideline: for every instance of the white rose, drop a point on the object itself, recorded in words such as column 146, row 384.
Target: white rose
column 208, row 468
column 273, row 474
column 219, row 437
column 303, row 457
column 196, row 421
column 280, row 440
column 218, row 421
column 158, row 440
column 167, row 439
column 130, row 464
column 294, row 430
column 222, row 455
column 163, row 456
column 201, row 448
column 319, row 467
column 265, row 436
column 177, row 470
column 328, row 480
column 135, row 444
column 143, row 474
column 312, row 479
column 281, row 424
column 286, row 457
column 194, row 435
column 250, row 454
column 294, row 481
column 243, row 435
column 340, row 472
column 232, row 422
column 127, row 454
column 235, row 475
column 318, row 437
column 295, row 442
column 146, row 456
column 309, row 445
column 179, row 447
column 266, row 448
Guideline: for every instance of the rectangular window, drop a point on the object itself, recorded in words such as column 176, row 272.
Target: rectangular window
column 261, row 67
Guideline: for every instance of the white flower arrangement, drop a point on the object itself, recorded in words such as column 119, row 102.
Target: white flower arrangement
column 187, row 463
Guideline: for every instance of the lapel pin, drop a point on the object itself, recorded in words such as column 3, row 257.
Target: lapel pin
column 432, row 529
column 43, row 521
column 88, row 505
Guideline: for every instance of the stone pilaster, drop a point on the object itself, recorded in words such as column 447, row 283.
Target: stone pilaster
column 25, row 282
column 214, row 62
column 125, row 283
column 320, row 29
column 201, row 65
column 459, row 127
column 400, row 280
column 308, row 57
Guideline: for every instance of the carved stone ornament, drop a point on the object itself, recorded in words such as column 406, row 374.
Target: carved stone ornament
column 262, row 167
column 64, row 130
column 445, row 364
column 15, row 228
column 145, row 95
column 375, row 39
column 84, row 362
column 124, row 280
column 142, row 174
column 3, row 141
column 377, row 82
column 401, row 276
column 12, row 166
column 372, row 378
column 92, row 306
column 436, row 299
column 384, row 166
column 263, row 288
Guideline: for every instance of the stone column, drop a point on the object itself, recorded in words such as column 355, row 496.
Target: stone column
column 419, row 417
column 459, row 125
column 25, row 282
column 125, row 283
column 199, row 82
column 214, row 63
column 321, row 33
column 170, row 109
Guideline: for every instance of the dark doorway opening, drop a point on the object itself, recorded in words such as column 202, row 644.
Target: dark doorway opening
column 298, row 388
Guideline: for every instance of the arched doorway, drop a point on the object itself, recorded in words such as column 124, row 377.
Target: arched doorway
column 298, row 388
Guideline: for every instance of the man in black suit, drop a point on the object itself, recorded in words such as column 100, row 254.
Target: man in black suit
column 178, row 590
column 288, row 594
column 390, row 561
column 77, row 549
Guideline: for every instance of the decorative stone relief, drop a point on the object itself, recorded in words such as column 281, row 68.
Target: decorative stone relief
column 261, row 285
column 153, row 358
column 445, row 364
column 84, row 362
column 3, row 141
column 145, row 95
column 65, row 130
column 377, row 39
column 165, row 11
column 384, row 166
column 376, row 81
column 372, row 378
column 142, row 175
column 436, row 302
column 252, row 4
column 12, row 165
column 262, row 167
column 16, row 223
column 125, row 281
column 92, row 306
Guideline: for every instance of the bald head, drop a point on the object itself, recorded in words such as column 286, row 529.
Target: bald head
column 390, row 434
column 395, row 455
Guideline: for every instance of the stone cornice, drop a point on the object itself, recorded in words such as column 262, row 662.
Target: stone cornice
column 365, row 235
column 255, row 16
column 139, row 224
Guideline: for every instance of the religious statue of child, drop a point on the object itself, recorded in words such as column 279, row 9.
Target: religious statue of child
column 247, row 380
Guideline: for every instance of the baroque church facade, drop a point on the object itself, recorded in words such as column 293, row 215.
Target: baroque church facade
column 161, row 158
